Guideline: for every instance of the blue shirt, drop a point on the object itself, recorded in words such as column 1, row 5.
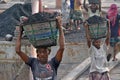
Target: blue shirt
column 114, row 29
column 72, row 4
column 44, row 72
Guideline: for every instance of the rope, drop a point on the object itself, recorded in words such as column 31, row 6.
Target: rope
column 33, row 32
column 98, row 30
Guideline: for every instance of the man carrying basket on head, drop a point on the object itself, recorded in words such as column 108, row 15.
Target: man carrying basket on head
column 94, row 8
column 97, row 29
column 98, row 51
column 43, row 69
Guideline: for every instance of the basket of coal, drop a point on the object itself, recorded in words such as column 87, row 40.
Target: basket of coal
column 41, row 29
column 97, row 27
column 93, row 1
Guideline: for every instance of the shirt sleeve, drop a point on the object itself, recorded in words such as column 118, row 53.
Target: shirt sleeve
column 105, row 47
column 119, row 16
column 55, row 63
column 107, row 16
column 30, row 61
column 90, row 49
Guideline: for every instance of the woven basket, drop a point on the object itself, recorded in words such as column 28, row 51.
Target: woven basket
column 42, row 34
column 98, row 31
column 93, row 1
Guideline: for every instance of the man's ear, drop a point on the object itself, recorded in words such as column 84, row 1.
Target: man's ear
column 37, row 55
column 49, row 51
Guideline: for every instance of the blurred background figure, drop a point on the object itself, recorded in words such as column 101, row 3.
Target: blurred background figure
column 93, row 8
column 65, row 14
column 75, row 13
column 36, row 6
column 114, row 18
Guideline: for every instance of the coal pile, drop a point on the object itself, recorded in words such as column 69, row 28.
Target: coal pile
column 10, row 18
column 41, row 17
column 96, row 20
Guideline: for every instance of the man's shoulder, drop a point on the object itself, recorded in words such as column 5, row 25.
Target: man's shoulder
column 54, row 61
column 51, row 60
column 32, row 58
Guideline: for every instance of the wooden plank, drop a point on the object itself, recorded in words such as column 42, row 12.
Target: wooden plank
column 78, row 70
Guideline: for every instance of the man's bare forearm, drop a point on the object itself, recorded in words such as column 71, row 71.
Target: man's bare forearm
column 23, row 56
column 61, row 38
column 18, row 42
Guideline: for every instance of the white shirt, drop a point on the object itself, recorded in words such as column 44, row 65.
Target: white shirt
column 98, row 59
column 90, row 13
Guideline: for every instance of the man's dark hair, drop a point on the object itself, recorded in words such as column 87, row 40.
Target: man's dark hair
column 49, row 48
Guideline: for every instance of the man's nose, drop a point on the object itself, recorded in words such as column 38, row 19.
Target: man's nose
column 42, row 53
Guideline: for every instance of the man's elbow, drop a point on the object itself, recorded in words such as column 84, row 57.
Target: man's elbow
column 62, row 48
column 18, row 51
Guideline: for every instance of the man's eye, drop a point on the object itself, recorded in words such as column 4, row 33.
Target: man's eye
column 43, row 52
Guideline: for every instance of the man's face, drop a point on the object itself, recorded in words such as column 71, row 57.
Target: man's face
column 97, row 43
column 93, row 8
column 42, row 55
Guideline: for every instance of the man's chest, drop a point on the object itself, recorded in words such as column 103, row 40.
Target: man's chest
column 45, row 72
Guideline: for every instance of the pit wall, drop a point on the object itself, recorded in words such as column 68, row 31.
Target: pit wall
column 11, row 66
